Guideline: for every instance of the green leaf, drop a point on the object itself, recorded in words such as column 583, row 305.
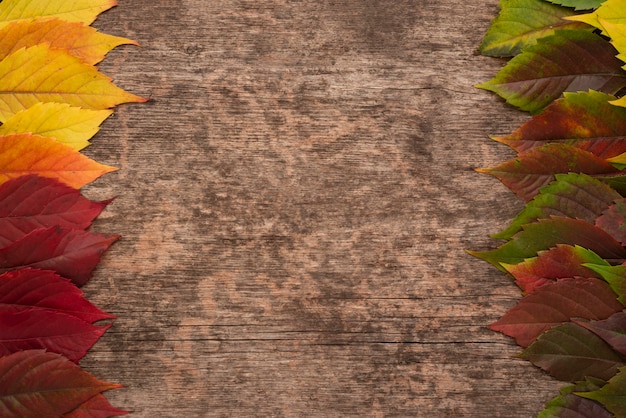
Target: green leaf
column 612, row 395
column 560, row 262
column 569, row 405
column 566, row 61
column 615, row 277
column 586, row 120
column 555, row 303
column 612, row 330
column 579, row 4
column 569, row 352
column 536, row 168
column 548, row 233
column 520, row 23
column 572, row 195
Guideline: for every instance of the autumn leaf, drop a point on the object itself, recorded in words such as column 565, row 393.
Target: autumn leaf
column 571, row 195
column 22, row 154
column 96, row 407
column 84, row 11
column 56, row 332
column 569, row 405
column 29, row 289
column 536, row 168
column 586, row 120
column 612, row 395
column 35, row 383
column 613, row 221
column 548, row 233
column 71, row 253
column 41, row 74
column 611, row 11
column 31, row 202
column 566, row 61
column 615, row 276
column 520, row 23
column 570, row 353
column 79, row 40
column 560, row 262
column 612, row 330
column 555, row 303
column 579, row 4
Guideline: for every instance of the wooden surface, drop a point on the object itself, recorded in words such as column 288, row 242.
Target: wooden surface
column 295, row 203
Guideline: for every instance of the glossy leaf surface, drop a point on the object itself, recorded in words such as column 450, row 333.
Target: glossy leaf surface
column 36, row 383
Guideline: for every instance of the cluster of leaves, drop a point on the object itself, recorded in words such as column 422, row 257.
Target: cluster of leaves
column 566, row 248
column 53, row 99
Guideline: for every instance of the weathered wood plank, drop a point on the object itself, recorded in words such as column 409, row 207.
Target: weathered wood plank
column 295, row 202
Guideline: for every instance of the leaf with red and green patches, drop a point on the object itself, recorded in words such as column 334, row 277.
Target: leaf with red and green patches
column 555, row 303
column 612, row 330
column 79, row 40
column 612, row 395
column 548, row 233
column 35, row 383
column 569, row 405
column 570, row 353
column 569, row 60
column 29, row 289
column 22, row 154
column 31, row 202
column 615, row 276
column 38, row 328
column 571, row 195
column 96, row 407
column 536, row 168
column 613, row 221
column 560, row 262
column 520, row 23
column 584, row 120
column 71, row 253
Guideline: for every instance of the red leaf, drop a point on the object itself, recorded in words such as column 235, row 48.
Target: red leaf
column 56, row 332
column 96, row 407
column 612, row 330
column 555, row 303
column 45, row 290
column 35, row 383
column 532, row 170
column 613, row 221
column 559, row 262
column 71, row 253
column 31, row 202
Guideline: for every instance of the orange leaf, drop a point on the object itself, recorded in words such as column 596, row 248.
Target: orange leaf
column 22, row 154
column 84, row 11
column 80, row 40
column 40, row 74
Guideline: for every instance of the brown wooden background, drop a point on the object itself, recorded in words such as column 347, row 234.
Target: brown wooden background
column 295, row 202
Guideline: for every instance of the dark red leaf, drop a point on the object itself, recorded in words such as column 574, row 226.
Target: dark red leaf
column 71, row 253
column 31, row 202
column 96, row 407
column 55, row 332
column 43, row 289
column 555, row 303
column 35, row 383
column 613, row 221
column 612, row 330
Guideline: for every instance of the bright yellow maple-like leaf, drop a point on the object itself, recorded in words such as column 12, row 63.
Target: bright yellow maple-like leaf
column 69, row 125
column 80, row 40
column 613, row 11
column 22, row 154
column 84, row 11
column 40, row 74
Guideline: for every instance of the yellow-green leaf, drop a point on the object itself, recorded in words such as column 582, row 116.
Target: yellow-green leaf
column 22, row 154
column 72, row 126
column 613, row 11
column 40, row 74
column 84, row 11
column 78, row 39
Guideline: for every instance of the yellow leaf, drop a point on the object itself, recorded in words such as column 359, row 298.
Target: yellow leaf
column 41, row 74
column 613, row 11
column 78, row 39
column 71, row 126
column 619, row 102
column 84, row 11
column 619, row 159
column 22, row 154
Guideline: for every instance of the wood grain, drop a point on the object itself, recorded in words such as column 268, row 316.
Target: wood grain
column 295, row 202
